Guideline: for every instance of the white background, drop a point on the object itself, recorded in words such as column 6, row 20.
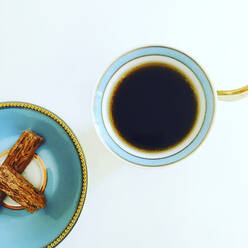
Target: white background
column 52, row 53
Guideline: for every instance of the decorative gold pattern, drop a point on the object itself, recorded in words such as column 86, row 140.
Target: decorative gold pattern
column 75, row 217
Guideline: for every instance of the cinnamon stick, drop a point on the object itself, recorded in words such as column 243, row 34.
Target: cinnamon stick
column 22, row 153
column 20, row 190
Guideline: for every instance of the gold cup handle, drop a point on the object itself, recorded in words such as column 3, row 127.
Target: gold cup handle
column 232, row 95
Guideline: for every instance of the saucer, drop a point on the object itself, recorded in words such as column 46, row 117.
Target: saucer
column 66, row 171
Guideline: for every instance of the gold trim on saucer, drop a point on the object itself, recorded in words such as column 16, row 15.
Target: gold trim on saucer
column 43, row 167
column 76, row 143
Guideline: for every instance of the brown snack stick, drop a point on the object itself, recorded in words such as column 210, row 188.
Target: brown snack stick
column 22, row 153
column 20, row 190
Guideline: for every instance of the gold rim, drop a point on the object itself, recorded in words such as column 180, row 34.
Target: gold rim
column 43, row 167
column 77, row 212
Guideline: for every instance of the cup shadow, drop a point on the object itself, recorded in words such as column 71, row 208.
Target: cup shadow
column 100, row 161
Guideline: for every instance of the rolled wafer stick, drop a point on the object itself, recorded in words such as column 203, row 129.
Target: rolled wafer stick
column 22, row 153
column 20, row 190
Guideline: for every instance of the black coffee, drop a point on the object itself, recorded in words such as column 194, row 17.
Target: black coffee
column 153, row 107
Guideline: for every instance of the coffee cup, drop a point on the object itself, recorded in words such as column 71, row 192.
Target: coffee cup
column 155, row 105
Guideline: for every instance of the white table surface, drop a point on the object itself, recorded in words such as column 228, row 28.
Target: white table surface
column 52, row 53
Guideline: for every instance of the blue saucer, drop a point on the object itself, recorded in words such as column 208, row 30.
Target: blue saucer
column 66, row 184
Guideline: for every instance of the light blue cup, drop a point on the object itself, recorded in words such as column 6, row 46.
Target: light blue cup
column 184, row 63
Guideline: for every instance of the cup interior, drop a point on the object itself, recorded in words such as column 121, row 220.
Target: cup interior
column 130, row 65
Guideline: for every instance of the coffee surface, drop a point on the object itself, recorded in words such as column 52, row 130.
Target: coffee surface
column 153, row 107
